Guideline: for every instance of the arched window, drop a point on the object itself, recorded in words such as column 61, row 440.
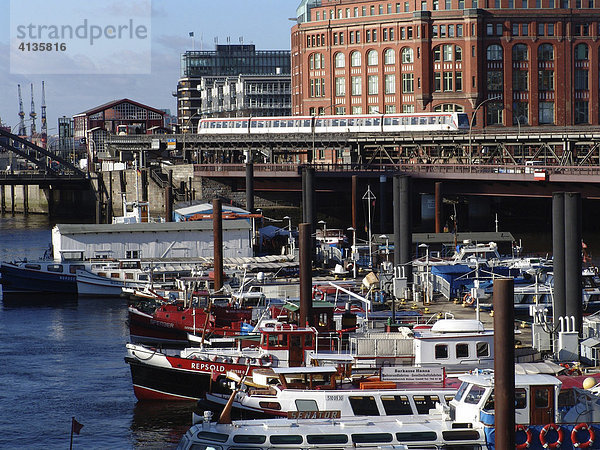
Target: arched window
column 316, row 61
column 389, row 57
column 546, row 52
column 340, row 60
column 457, row 53
column 372, row 58
column 407, row 55
column 581, row 52
column 520, row 52
column 355, row 59
column 494, row 53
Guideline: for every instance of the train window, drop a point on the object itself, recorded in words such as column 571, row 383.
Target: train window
column 351, row 122
column 307, row 123
column 423, row 121
column 290, row 123
column 319, row 123
column 431, row 120
column 253, row 125
column 343, row 122
column 377, row 122
column 275, row 123
column 260, row 124
column 387, row 121
column 368, row 122
column 335, row 123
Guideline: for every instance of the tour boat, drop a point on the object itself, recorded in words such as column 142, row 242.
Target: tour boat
column 548, row 414
column 278, row 391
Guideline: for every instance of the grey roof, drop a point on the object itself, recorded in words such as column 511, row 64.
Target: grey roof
column 591, row 342
column 200, row 225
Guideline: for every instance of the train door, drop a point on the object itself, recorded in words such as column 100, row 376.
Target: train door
column 541, row 404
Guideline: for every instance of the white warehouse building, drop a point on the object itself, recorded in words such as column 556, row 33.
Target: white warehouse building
column 169, row 240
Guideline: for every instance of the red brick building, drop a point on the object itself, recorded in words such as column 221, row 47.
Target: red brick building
column 515, row 62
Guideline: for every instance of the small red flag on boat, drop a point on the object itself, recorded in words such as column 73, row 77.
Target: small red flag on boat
column 75, row 426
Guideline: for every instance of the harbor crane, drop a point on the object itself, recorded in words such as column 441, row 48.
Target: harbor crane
column 32, row 114
column 43, row 119
column 22, row 131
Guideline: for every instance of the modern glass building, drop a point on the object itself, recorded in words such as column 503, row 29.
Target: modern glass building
column 208, row 86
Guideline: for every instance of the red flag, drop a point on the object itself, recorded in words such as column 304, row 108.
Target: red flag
column 75, row 426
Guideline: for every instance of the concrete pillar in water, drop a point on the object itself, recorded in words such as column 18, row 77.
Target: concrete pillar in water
column 355, row 202
column 25, row 199
column 382, row 203
column 250, row 186
column 403, row 223
column 305, row 242
column 3, row 198
column 218, row 242
column 168, row 204
column 504, row 362
column 439, row 205
column 12, row 199
column 573, row 294
column 558, row 255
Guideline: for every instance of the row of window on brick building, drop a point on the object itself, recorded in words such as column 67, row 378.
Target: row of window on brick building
column 404, row 7
column 388, row 34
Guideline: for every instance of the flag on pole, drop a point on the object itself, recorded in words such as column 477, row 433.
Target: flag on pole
column 191, row 34
column 75, row 426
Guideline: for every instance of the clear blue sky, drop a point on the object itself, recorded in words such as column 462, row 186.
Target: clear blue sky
column 261, row 22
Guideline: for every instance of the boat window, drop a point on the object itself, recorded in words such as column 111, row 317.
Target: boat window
column 425, row 402
column 55, row 268
column 483, row 349
column 461, row 390
column 33, row 266
column 212, row 436
column 474, row 394
column 520, row 398
column 396, row 405
column 306, row 405
column 460, row 435
column 371, row 437
column 143, row 277
column 489, row 403
column 567, row 398
column 308, row 340
column 270, row 405
column 115, row 275
column 128, row 276
column 541, row 398
column 277, row 340
column 462, row 350
column 327, row 439
column 364, row 405
column 249, row 439
column 441, row 351
column 286, row 439
column 75, row 267
column 416, row 436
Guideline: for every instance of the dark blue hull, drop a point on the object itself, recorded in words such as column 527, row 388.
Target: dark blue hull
column 22, row 280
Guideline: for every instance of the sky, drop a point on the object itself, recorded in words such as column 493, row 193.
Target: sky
column 264, row 23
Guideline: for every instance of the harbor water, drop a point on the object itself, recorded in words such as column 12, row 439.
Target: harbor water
column 65, row 360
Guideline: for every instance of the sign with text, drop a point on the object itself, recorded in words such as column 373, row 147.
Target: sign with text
column 314, row 414
column 412, row 374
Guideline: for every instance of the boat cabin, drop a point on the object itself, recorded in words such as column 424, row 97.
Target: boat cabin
column 322, row 314
column 288, row 342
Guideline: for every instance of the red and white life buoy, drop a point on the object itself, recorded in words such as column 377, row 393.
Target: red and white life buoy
column 559, row 440
column 317, row 294
column 528, row 437
column 266, row 360
column 582, row 427
column 468, row 299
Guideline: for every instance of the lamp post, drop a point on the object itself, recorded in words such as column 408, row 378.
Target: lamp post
column 185, row 129
column 369, row 197
column 471, row 125
column 353, row 255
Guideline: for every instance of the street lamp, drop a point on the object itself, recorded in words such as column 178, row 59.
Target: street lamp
column 354, row 256
column 471, row 124
column 185, row 129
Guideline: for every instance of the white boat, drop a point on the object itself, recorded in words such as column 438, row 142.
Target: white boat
column 548, row 414
column 282, row 390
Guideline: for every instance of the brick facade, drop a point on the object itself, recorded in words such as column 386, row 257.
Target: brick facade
column 516, row 62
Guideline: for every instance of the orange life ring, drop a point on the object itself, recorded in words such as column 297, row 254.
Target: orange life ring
column 468, row 299
column 544, row 431
column 582, row 427
column 528, row 437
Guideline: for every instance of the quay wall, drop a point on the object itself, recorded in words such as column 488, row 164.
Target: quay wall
column 32, row 199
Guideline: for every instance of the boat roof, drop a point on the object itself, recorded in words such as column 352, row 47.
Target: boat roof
column 487, row 379
column 303, row 370
column 199, row 225
column 331, row 357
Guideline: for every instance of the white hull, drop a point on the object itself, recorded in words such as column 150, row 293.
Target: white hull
column 89, row 284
